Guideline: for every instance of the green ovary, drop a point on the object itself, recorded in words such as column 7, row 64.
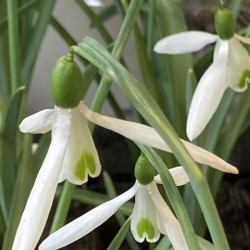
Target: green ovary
column 145, row 226
column 245, row 75
column 85, row 164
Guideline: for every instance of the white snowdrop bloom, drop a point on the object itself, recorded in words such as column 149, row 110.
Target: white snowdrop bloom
column 230, row 68
column 72, row 155
column 151, row 216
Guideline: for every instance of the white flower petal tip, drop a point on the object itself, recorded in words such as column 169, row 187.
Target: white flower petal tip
column 179, row 175
column 87, row 222
column 38, row 123
column 184, row 42
column 94, row 3
column 148, row 136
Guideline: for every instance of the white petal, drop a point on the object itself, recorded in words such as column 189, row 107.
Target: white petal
column 184, row 42
column 179, row 175
column 87, row 222
column 143, row 220
column 238, row 66
column 243, row 39
column 81, row 158
column 41, row 197
column 94, row 3
column 146, row 135
column 39, row 123
column 208, row 95
column 167, row 222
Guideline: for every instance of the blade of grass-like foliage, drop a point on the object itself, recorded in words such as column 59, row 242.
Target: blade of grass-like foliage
column 36, row 39
column 21, row 11
column 171, row 20
column 145, row 65
column 96, row 21
column 95, row 199
column 8, row 158
column 119, row 238
column 235, row 6
column 23, row 185
column 14, row 46
column 147, row 107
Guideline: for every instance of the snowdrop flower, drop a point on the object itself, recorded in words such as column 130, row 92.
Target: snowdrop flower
column 71, row 154
column 150, row 217
column 230, row 67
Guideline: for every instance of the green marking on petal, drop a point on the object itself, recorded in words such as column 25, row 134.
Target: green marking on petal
column 145, row 226
column 245, row 77
column 86, row 162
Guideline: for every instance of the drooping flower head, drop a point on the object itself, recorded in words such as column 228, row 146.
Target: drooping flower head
column 150, row 217
column 72, row 154
column 230, row 67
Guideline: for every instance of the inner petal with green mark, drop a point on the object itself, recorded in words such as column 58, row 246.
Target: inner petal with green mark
column 245, row 79
column 144, row 226
column 86, row 164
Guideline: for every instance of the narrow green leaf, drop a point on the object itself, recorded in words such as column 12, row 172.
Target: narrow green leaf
column 120, row 236
column 24, row 182
column 171, row 20
column 8, row 157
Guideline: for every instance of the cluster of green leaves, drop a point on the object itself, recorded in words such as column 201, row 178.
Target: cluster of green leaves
column 161, row 99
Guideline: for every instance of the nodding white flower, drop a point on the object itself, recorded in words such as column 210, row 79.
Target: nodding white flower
column 230, row 68
column 150, row 217
column 94, row 3
column 71, row 155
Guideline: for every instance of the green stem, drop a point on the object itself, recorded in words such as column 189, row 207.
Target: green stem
column 14, row 48
column 116, row 52
column 63, row 206
column 120, row 236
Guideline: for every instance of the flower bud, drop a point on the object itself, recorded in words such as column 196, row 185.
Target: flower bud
column 224, row 23
column 67, row 86
column 144, row 171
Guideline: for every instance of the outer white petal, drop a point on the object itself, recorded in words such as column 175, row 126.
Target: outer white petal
column 184, row 42
column 167, row 222
column 207, row 96
column 41, row 197
column 238, row 66
column 39, row 123
column 243, row 39
column 146, row 135
column 143, row 220
column 87, row 222
column 81, row 157
column 94, row 3
column 179, row 175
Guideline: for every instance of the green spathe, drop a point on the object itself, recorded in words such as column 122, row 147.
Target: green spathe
column 144, row 226
column 67, row 86
column 225, row 23
column 85, row 164
column 144, row 171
